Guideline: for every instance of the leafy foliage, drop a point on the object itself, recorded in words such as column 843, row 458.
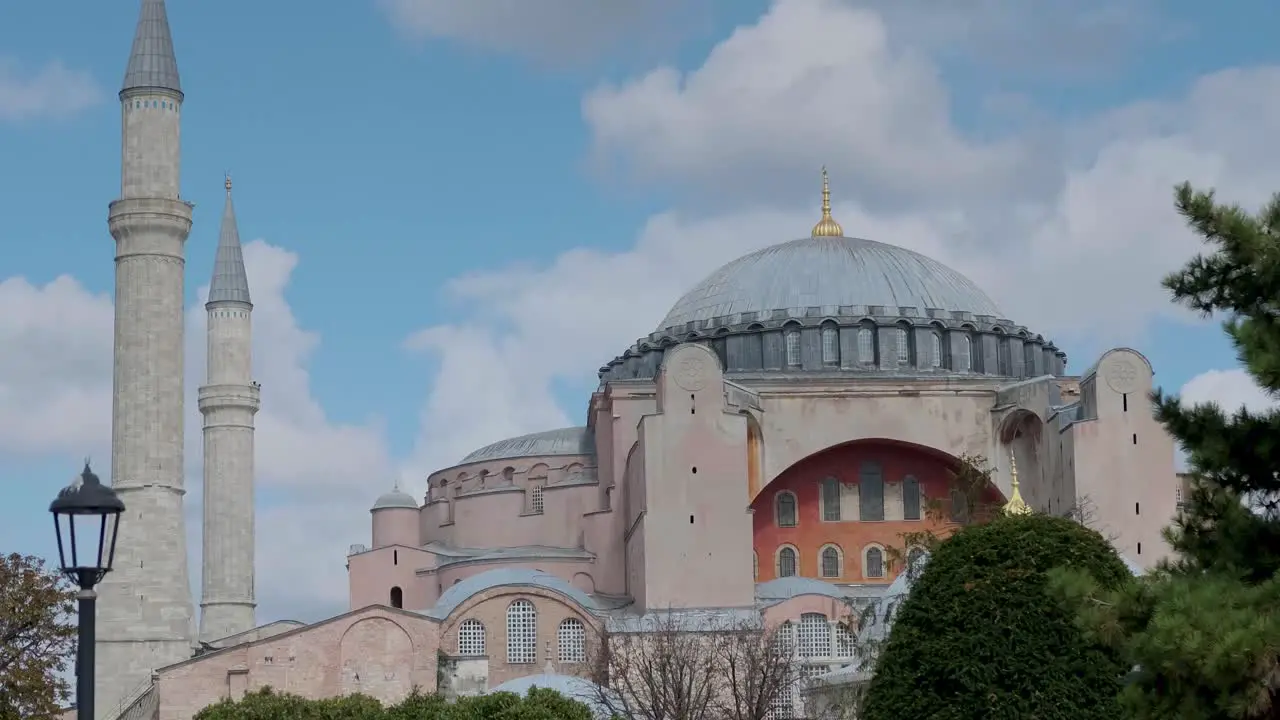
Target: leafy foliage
column 980, row 637
column 1203, row 631
column 37, row 637
column 972, row 501
column 266, row 704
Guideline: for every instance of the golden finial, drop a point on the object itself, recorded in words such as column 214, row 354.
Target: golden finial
column 1016, row 505
column 827, row 226
column 228, row 182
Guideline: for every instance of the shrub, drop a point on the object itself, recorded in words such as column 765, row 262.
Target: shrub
column 979, row 637
column 266, row 704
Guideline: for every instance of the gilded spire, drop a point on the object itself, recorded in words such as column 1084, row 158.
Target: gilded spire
column 1016, row 505
column 827, row 226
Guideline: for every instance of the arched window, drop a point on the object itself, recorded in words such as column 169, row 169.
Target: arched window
column 914, row 556
column 787, row 562
column 397, row 597
column 792, row 338
column 830, row 344
column 910, row 498
column 786, row 509
column 935, row 349
column 903, row 343
column 814, row 636
column 871, row 491
column 536, row 501
column 471, row 638
column 830, row 500
column 1029, row 354
column 966, row 352
column 1004, row 356
column 830, row 562
column 866, row 345
column 522, row 633
column 571, row 638
column 874, row 564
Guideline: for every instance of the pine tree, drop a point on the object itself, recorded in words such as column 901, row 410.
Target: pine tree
column 1202, row 632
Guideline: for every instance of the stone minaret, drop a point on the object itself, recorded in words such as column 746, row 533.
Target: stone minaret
column 145, row 615
column 228, row 402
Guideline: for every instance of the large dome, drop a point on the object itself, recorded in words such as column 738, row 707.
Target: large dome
column 829, row 272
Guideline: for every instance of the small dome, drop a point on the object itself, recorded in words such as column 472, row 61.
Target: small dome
column 829, row 272
column 397, row 498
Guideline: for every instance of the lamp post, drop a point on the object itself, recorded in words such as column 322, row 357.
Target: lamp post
column 89, row 514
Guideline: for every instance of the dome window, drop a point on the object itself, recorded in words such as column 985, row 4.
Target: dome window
column 830, row 344
column 867, row 345
column 793, row 348
column 966, row 352
column 935, row 349
column 903, row 342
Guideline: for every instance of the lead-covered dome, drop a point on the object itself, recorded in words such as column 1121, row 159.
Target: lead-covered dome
column 829, row 272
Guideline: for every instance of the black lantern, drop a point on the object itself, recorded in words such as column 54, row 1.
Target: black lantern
column 92, row 514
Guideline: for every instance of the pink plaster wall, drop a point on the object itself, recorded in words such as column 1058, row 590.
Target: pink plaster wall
column 377, row 651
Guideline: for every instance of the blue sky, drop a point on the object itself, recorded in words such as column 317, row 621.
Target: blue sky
column 465, row 210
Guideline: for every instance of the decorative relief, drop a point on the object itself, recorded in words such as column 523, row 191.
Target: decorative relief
column 691, row 374
column 1122, row 375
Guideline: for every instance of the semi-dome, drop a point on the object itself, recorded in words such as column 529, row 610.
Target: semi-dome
column 829, row 272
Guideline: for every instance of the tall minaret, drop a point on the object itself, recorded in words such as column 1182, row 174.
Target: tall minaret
column 228, row 402
column 145, row 616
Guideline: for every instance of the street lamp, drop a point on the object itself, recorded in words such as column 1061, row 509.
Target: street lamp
column 92, row 514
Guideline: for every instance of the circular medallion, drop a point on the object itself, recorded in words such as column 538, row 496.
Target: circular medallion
column 1122, row 375
column 689, row 374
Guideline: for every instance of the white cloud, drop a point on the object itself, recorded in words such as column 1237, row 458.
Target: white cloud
column 549, row 29
column 1229, row 389
column 1071, row 237
column 52, row 91
column 55, row 399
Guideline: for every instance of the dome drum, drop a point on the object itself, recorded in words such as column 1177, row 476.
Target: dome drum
column 860, row 345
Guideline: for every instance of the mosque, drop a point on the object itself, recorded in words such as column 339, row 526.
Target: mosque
column 761, row 453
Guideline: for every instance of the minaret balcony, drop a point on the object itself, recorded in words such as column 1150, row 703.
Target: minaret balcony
column 219, row 397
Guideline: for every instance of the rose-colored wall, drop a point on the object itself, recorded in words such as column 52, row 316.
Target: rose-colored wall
column 372, row 574
column 376, row 651
column 490, row 608
column 812, row 533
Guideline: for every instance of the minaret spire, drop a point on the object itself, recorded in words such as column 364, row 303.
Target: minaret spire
column 827, row 226
column 230, row 283
column 228, row 401
column 152, row 64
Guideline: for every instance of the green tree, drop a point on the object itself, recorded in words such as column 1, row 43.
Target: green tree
column 1203, row 631
column 37, row 637
column 266, row 704
column 980, row 638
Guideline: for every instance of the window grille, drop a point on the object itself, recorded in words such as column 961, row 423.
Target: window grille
column 471, row 638
column 814, row 636
column 830, row 345
column 875, row 563
column 522, row 632
column 786, row 509
column 830, row 563
column 572, row 640
column 786, row 562
column 793, row 348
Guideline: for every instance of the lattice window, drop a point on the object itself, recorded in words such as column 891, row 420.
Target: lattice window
column 571, row 637
column 793, row 348
column 830, row 500
column 866, row 346
column 830, row 345
column 846, row 644
column 471, row 638
column 786, row 562
column 910, row 498
column 875, row 563
column 904, row 346
column 786, row 508
column 783, row 704
column 536, row 500
column 814, row 636
column 830, row 562
column 522, row 632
